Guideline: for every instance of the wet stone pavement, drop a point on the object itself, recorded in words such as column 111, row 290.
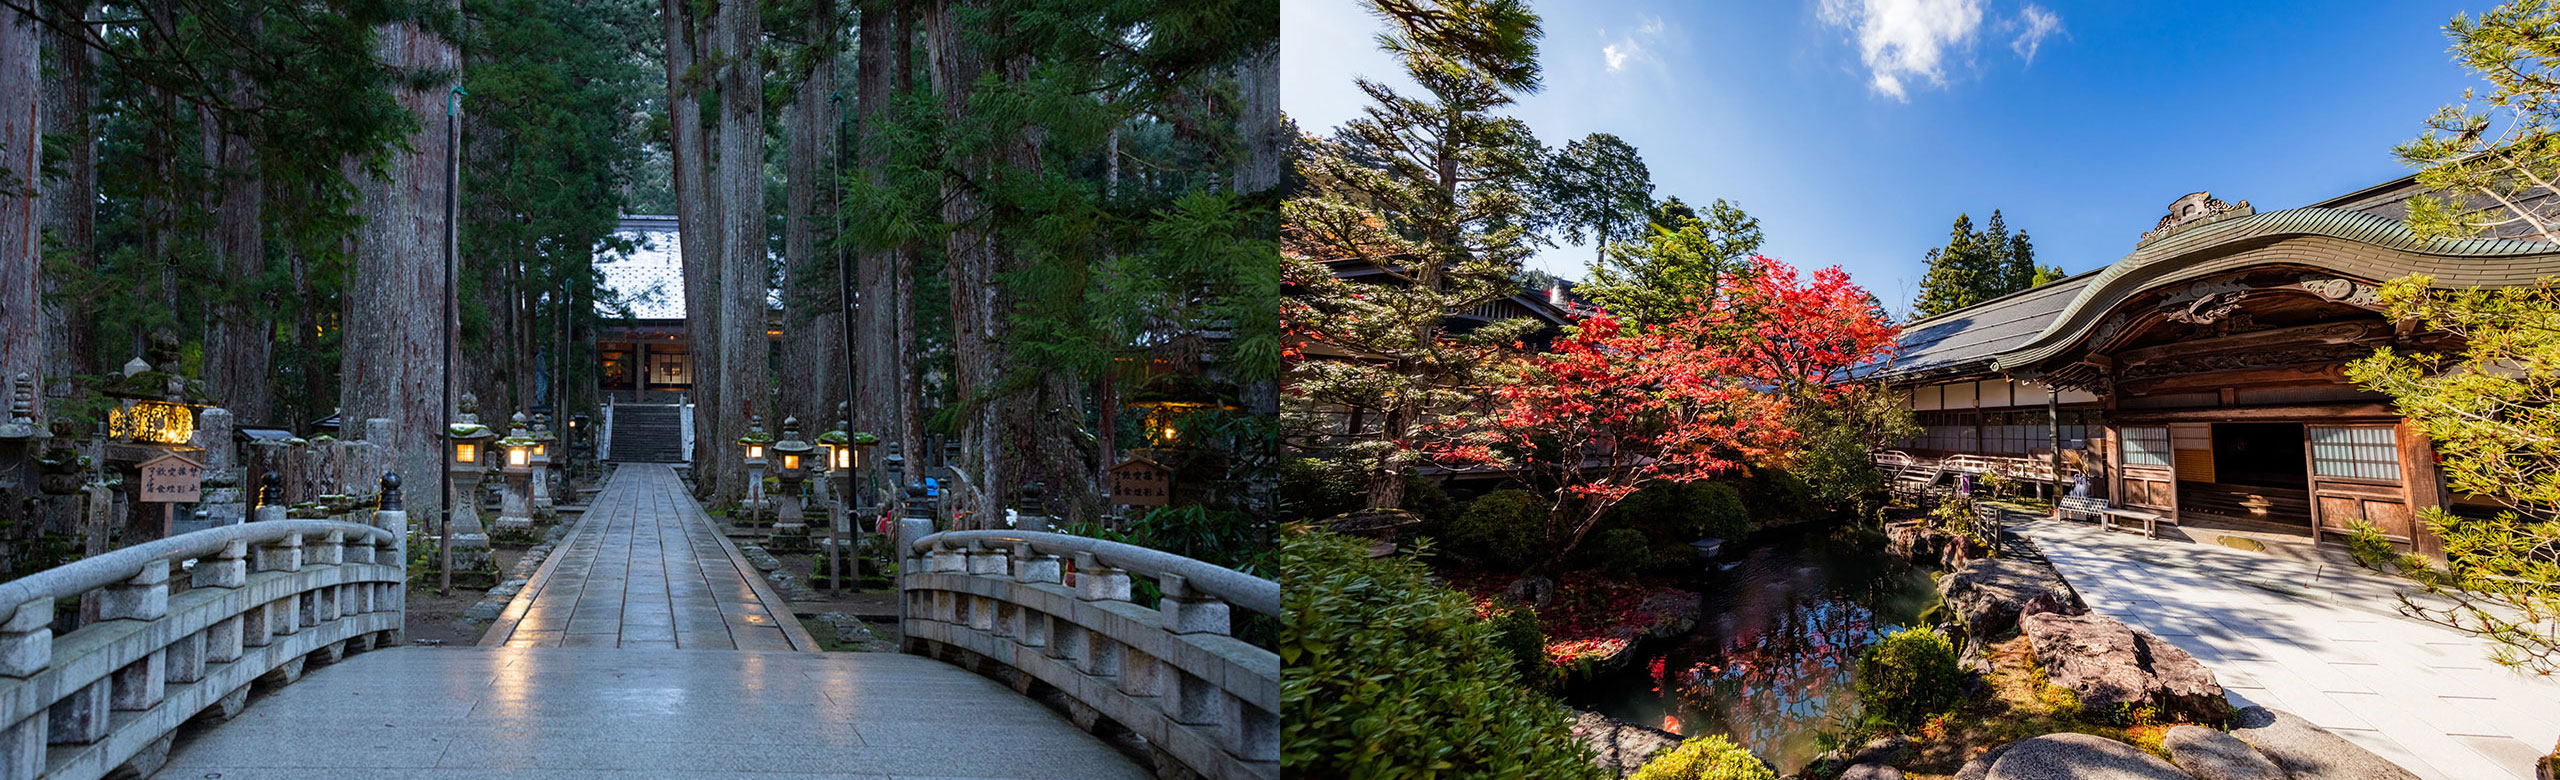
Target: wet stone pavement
column 644, row 568
column 644, row 649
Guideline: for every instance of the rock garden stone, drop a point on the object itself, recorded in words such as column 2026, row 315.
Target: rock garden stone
column 1990, row 595
column 2213, row 755
column 1619, row 746
column 1871, row 772
column 2079, row 757
column 2113, row 667
column 2308, row 752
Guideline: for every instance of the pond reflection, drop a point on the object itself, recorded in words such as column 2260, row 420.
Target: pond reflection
column 1770, row 662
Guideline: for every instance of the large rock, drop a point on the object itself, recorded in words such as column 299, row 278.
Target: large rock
column 1618, row 746
column 2079, row 757
column 2308, row 752
column 1871, row 772
column 1990, row 595
column 2114, row 667
column 2213, row 755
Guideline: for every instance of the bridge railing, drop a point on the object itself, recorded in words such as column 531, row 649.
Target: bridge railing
column 1054, row 611
column 261, row 599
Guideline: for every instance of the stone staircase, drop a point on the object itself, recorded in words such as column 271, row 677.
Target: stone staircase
column 648, row 433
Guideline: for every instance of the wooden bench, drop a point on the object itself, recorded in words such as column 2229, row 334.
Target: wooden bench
column 2108, row 515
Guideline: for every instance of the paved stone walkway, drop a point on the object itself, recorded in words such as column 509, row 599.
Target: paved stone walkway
column 2321, row 642
column 645, row 569
column 540, row 712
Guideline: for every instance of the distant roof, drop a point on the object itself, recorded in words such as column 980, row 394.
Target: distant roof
column 650, row 279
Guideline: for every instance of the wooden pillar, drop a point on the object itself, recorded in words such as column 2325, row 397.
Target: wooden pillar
column 640, row 368
column 2053, row 437
column 2423, row 485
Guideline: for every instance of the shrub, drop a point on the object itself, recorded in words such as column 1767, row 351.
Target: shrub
column 1516, row 631
column 1384, row 674
column 1505, row 528
column 1720, row 512
column 1909, row 676
column 1706, row 758
column 1317, row 488
column 1622, row 553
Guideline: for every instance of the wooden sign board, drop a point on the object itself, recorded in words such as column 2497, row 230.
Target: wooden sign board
column 1141, row 482
column 172, row 479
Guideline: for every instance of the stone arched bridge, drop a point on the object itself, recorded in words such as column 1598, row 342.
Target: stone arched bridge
column 271, row 649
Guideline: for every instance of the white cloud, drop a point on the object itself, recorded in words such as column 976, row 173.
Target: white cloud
column 1631, row 47
column 2033, row 25
column 1905, row 40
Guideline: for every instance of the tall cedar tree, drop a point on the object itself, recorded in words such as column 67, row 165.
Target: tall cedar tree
column 1428, row 191
column 1079, row 195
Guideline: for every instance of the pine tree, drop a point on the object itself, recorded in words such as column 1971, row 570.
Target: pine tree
column 1442, row 218
column 1598, row 186
column 1977, row 266
column 1675, row 268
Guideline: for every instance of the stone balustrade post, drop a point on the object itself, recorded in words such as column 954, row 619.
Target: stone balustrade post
column 944, row 558
column 227, row 569
column 331, row 551
column 1032, row 566
column 1097, row 582
column 26, row 641
column 988, row 562
column 1187, row 610
column 281, row 555
column 362, row 550
column 144, row 597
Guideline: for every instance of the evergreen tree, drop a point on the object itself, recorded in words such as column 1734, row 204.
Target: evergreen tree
column 1598, row 186
column 1676, row 268
column 1441, row 217
column 1979, row 265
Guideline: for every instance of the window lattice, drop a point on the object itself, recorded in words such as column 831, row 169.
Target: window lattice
column 2146, row 446
column 2354, row 453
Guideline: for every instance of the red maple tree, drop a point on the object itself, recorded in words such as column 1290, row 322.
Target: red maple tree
column 1611, row 409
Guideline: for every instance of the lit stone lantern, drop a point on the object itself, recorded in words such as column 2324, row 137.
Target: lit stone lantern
column 797, row 461
column 544, row 441
column 515, row 510
column 467, row 458
column 752, row 447
column 1165, row 402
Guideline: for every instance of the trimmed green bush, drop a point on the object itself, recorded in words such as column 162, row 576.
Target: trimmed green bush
column 1622, row 553
column 1516, row 631
column 1910, row 676
column 1385, row 675
column 1710, row 757
column 1505, row 528
column 1719, row 512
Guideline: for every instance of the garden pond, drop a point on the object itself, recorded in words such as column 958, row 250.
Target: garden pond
column 1770, row 661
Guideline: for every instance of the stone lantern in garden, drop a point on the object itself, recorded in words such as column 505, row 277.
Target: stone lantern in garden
column 467, row 458
column 515, row 509
column 797, row 461
column 752, row 448
column 543, row 444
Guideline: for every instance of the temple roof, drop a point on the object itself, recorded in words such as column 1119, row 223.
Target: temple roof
column 650, row 278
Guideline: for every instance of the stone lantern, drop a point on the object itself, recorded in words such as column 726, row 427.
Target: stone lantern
column 515, row 510
column 544, row 441
column 797, row 461
column 896, row 465
column 467, row 458
column 752, row 448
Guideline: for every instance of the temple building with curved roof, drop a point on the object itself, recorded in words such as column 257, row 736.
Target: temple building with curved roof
column 2202, row 376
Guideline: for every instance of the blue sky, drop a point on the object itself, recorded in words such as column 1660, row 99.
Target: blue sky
column 1856, row 130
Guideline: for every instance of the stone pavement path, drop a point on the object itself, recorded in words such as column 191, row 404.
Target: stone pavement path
column 2321, row 643
column 541, row 712
column 644, row 568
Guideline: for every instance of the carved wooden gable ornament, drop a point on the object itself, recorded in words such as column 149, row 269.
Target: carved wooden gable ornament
column 2195, row 208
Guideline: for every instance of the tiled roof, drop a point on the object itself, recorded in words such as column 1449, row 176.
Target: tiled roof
column 650, row 279
column 1968, row 338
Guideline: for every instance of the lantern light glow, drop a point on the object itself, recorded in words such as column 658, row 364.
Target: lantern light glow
column 466, row 452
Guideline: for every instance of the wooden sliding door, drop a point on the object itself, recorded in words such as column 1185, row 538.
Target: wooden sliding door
column 2146, row 469
column 2356, row 476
